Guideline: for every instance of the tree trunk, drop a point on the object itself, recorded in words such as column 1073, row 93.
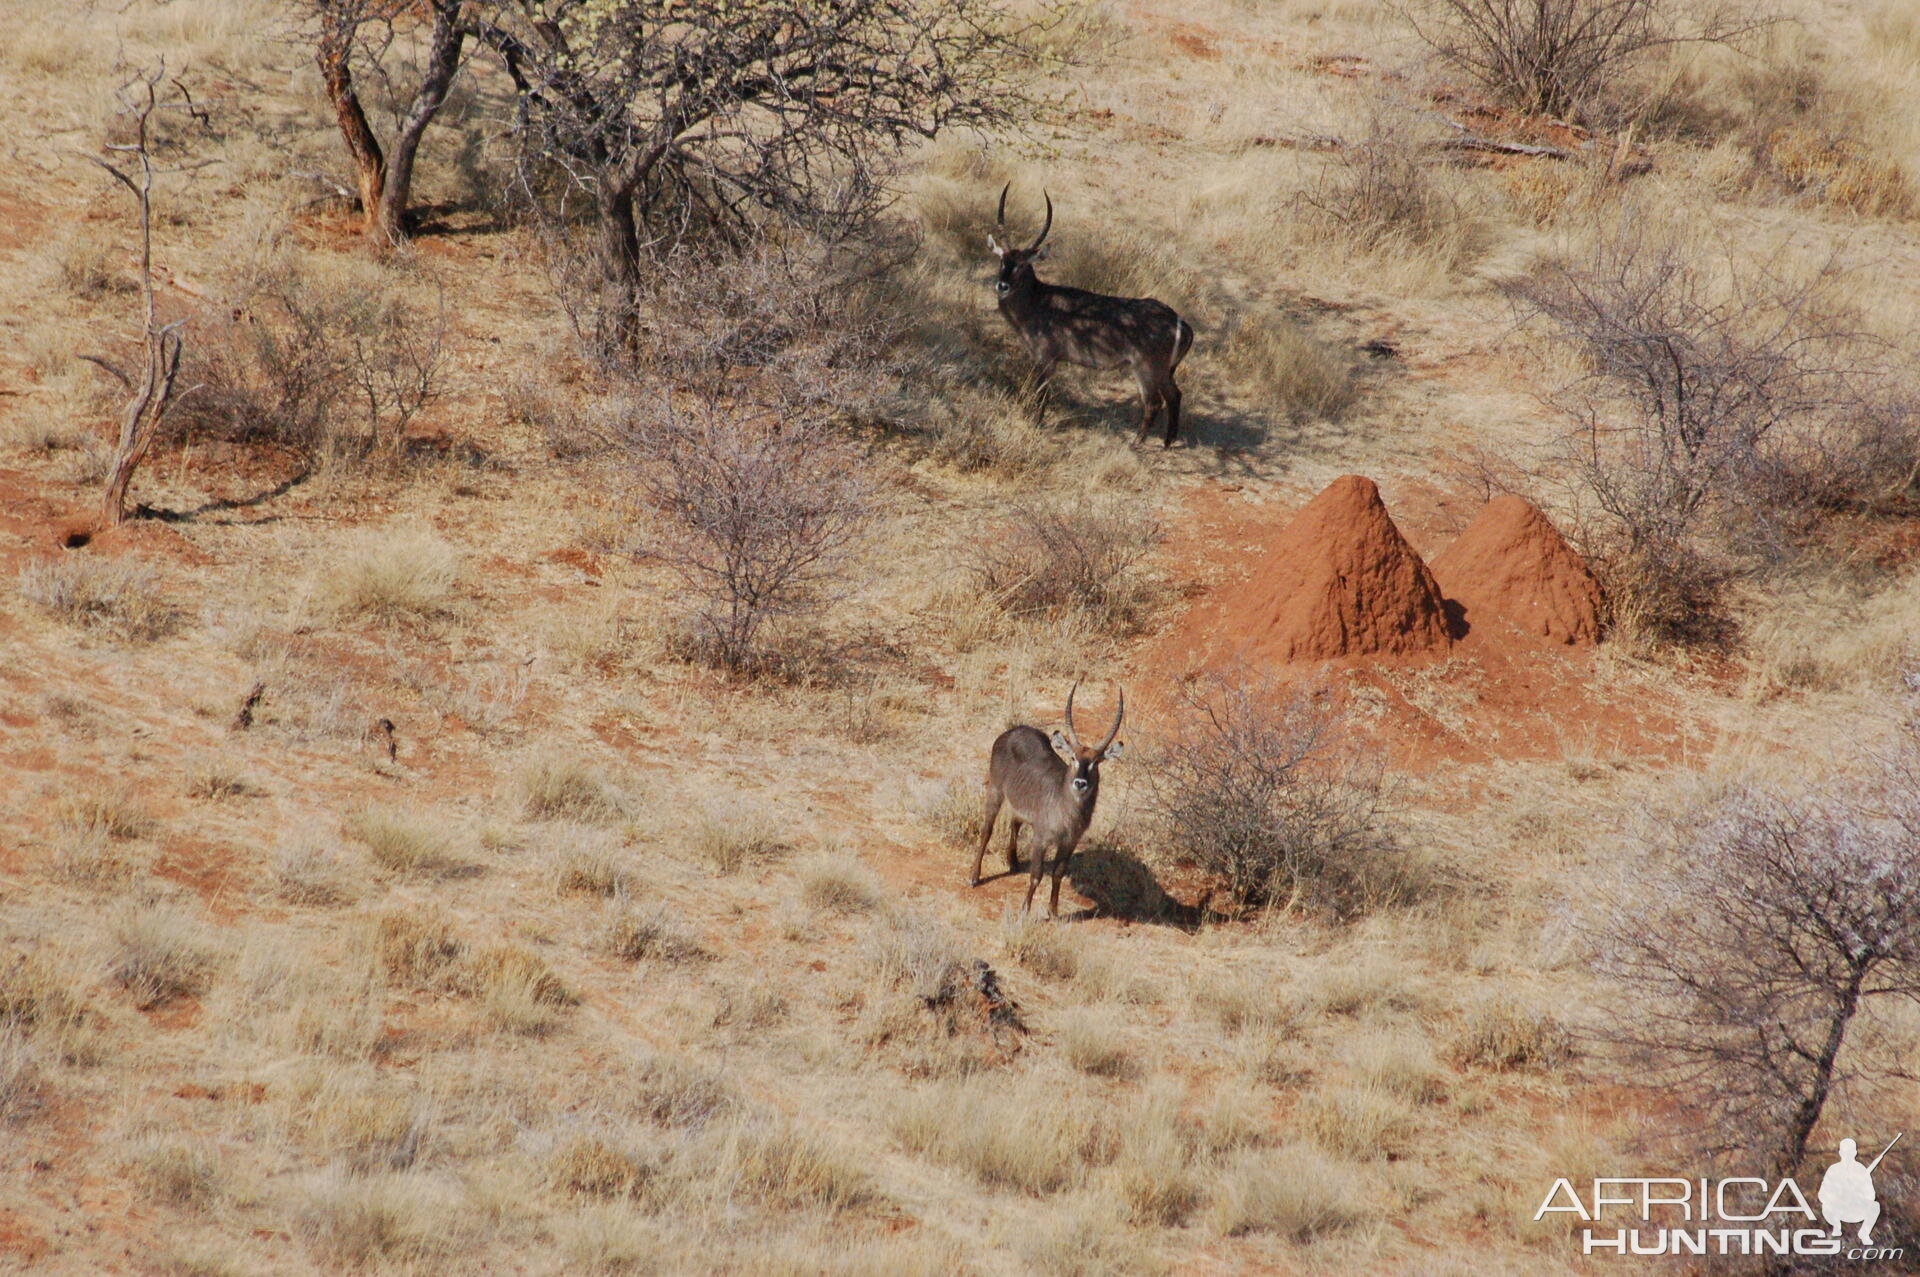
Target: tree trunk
column 389, row 226
column 619, row 265
column 369, row 161
column 1807, row 1114
column 142, row 420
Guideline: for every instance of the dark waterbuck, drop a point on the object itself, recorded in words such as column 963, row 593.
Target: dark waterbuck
column 1072, row 325
column 1052, row 794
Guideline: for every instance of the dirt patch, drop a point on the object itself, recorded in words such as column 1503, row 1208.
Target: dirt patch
column 1511, row 564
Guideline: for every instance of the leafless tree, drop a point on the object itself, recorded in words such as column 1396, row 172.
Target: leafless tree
column 351, row 38
column 1556, row 57
column 143, row 100
column 1700, row 393
column 1261, row 792
column 716, row 114
column 754, row 508
column 1750, row 959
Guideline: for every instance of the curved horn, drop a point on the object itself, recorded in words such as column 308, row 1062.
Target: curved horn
column 1035, row 246
column 1073, row 737
column 1114, row 731
column 1003, row 204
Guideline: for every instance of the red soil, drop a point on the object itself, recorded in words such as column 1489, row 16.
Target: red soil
column 1512, row 565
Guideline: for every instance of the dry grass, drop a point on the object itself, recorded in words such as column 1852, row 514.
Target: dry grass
column 405, row 843
column 833, row 883
column 158, row 955
column 1095, row 1041
column 1356, row 1120
column 1000, row 1138
column 632, row 936
column 415, row 947
column 356, row 1221
column 396, row 575
column 739, row 838
column 22, row 1086
column 1503, row 1035
column 591, row 867
column 1295, row 1192
column 1040, row 945
column 554, row 787
column 121, row 599
column 307, row 874
column 178, row 1173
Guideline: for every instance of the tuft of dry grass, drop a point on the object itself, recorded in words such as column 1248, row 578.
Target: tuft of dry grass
column 116, row 598
column 782, row 1164
column 953, row 811
column 22, row 1084
column 389, row 576
column 589, row 1166
column 1156, row 1172
column 1397, row 1060
column 158, row 954
column 1280, row 364
column 635, row 937
column 404, row 843
column 518, row 992
column 738, row 838
column 1296, row 1192
column 1040, row 945
column 555, row 787
column 415, row 947
column 355, row 1221
column 837, row 885
column 305, row 873
column 1503, row 1035
column 607, row 1238
column 1000, row 1138
column 591, row 867
column 1095, row 1042
column 1363, row 1121
column 178, row 1172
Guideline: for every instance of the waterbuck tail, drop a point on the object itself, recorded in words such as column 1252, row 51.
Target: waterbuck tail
column 1182, row 343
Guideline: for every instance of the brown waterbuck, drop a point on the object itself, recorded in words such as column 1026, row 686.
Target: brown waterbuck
column 1071, row 325
column 1054, row 796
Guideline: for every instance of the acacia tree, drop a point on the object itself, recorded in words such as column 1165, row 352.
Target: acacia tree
column 1749, row 963
column 674, row 116
column 353, row 37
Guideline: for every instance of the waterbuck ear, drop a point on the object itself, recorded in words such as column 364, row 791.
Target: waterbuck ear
column 1060, row 744
column 1040, row 254
column 999, row 249
column 1116, row 750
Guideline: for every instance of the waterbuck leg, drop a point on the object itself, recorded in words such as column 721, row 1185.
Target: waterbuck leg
column 1059, row 872
column 988, row 814
column 1040, row 390
column 1033, row 878
column 1013, row 844
column 1171, row 397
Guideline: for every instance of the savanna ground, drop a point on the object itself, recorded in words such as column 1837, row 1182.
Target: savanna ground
column 618, row 963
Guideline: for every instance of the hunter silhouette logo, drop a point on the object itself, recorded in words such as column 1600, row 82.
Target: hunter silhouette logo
column 1846, row 1191
column 1742, row 1215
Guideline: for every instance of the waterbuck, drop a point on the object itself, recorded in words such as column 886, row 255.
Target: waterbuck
column 1053, row 795
column 1071, row 325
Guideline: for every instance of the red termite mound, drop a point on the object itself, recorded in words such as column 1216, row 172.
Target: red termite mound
column 1512, row 563
column 1339, row 581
